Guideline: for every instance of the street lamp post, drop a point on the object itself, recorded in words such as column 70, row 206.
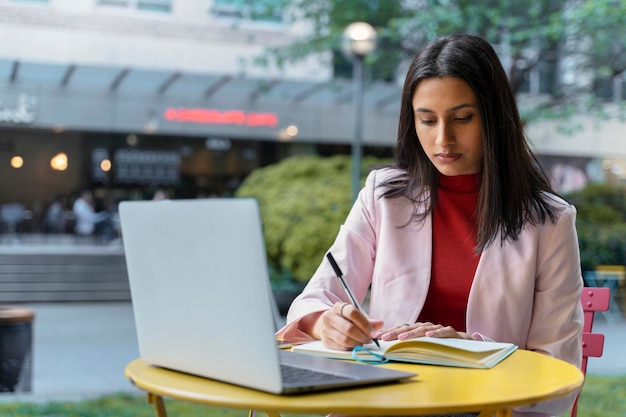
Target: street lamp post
column 358, row 40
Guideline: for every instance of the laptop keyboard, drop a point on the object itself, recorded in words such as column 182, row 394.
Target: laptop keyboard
column 295, row 374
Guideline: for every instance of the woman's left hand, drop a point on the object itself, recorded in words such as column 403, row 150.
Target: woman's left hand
column 419, row 329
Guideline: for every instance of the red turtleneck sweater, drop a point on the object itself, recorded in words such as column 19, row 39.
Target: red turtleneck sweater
column 454, row 261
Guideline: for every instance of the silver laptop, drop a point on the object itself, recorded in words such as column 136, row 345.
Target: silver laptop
column 202, row 302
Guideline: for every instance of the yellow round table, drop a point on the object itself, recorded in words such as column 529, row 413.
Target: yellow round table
column 524, row 378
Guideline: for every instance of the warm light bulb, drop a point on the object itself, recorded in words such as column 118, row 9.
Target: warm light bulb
column 59, row 162
column 17, row 162
column 105, row 165
column 292, row 130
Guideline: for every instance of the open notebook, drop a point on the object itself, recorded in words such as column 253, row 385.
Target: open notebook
column 425, row 350
column 202, row 302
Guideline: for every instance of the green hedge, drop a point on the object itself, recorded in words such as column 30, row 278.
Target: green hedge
column 601, row 224
column 601, row 245
column 303, row 201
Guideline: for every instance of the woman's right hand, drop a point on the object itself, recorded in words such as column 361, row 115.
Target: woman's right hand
column 343, row 327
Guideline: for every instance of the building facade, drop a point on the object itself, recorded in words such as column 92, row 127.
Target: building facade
column 139, row 94
column 126, row 96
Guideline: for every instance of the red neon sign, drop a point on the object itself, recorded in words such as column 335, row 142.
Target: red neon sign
column 217, row 117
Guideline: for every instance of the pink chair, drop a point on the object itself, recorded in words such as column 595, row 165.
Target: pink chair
column 593, row 299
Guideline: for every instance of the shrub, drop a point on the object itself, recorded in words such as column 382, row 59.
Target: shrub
column 601, row 245
column 303, row 201
column 601, row 225
column 600, row 204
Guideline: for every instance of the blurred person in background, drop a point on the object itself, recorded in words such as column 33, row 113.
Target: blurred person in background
column 88, row 221
column 159, row 195
column 54, row 221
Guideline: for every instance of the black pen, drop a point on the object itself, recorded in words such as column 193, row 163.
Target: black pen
column 339, row 274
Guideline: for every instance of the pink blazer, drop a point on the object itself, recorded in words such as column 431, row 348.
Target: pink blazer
column 525, row 292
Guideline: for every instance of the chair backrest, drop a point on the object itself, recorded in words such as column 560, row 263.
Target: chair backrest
column 593, row 299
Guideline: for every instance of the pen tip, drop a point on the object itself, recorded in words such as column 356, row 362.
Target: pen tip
column 376, row 341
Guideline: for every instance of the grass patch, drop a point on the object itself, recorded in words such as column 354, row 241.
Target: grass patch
column 118, row 405
column 601, row 397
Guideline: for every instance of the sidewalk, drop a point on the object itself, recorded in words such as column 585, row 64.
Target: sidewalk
column 80, row 351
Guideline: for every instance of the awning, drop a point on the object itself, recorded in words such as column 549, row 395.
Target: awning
column 127, row 99
column 145, row 83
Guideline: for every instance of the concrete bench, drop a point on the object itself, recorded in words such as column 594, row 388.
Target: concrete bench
column 48, row 277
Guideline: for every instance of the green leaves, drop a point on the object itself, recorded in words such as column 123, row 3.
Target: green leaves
column 303, row 201
column 601, row 225
column 565, row 41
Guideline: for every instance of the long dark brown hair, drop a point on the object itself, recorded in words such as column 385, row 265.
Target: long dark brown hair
column 513, row 185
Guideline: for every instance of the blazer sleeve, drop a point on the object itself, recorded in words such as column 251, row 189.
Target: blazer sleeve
column 557, row 318
column 354, row 251
column 556, row 326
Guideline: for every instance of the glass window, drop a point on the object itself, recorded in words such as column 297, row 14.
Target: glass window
column 118, row 3
column 524, row 86
column 259, row 10
column 609, row 89
column 162, row 6
column 603, row 88
column 547, row 77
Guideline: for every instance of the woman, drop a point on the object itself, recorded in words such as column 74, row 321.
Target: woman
column 463, row 236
